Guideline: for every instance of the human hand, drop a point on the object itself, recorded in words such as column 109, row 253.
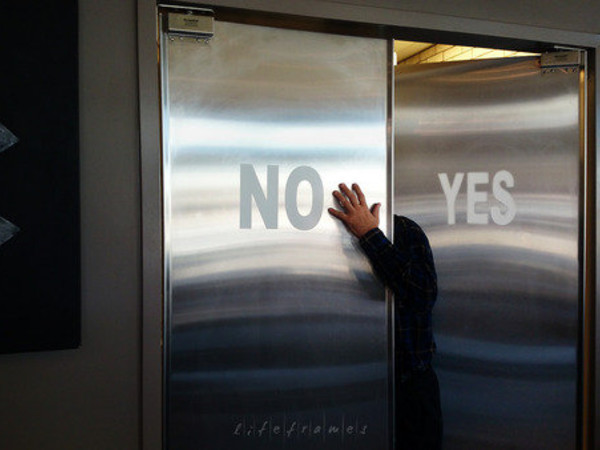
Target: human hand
column 356, row 215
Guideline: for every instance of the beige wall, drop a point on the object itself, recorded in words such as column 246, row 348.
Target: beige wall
column 90, row 398
column 566, row 15
column 580, row 15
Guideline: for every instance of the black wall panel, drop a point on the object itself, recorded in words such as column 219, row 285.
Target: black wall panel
column 39, row 177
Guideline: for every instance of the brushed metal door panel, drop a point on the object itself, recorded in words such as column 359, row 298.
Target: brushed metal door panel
column 277, row 329
column 506, row 320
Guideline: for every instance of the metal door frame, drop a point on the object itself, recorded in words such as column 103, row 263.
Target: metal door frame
column 362, row 21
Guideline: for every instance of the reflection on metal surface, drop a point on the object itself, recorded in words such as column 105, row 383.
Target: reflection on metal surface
column 278, row 335
column 507, row 314
column 543, row 114
column 309, row 137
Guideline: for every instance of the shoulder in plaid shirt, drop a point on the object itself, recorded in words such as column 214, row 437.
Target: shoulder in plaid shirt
column 407, row 268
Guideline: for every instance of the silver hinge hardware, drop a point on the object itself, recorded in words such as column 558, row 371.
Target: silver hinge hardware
column 569, row 61
column 191, row 24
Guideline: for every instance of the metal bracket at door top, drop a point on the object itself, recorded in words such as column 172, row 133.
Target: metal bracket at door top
column 196, row 23
column 569, row 61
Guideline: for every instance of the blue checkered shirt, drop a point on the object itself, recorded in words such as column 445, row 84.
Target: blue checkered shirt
column 407, row 268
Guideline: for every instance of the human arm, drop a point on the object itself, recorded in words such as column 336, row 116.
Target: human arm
column 406, row 267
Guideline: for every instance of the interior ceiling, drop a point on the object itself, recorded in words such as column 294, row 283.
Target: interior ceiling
column 406, row 49
column 409, row 52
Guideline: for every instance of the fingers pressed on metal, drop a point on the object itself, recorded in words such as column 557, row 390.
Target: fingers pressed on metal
column 351, row 197
column 342, row 200
column 375, row 210
column 335, row 213
column 359, row 194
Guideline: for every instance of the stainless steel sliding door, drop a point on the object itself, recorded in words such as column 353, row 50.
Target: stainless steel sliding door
column 487, row 159
column 276, row 328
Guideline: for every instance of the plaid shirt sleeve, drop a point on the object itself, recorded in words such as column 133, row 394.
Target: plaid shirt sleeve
column 406, row 266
